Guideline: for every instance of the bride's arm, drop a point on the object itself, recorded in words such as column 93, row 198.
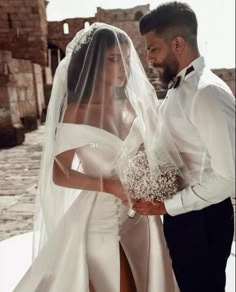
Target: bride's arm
column 65, row 176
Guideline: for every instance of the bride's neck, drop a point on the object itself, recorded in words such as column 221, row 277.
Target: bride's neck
column 102, row 94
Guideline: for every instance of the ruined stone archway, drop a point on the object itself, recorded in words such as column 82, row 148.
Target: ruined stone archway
column 138, row 15
column 55, row 55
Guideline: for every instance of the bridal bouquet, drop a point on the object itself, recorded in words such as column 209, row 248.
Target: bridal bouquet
column 142, row 184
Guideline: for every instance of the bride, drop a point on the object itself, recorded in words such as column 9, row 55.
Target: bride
column 83, row 239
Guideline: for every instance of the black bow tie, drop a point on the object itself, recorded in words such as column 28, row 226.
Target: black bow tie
column 175, row 82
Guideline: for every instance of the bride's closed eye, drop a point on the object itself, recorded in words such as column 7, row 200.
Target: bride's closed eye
column 115, row 59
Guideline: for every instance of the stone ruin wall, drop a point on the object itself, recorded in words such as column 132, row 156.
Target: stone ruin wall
column 228, row 75
column 125, row 19
column 21, row 98
column 23, row 59
column 26, row 62
column 23, row 29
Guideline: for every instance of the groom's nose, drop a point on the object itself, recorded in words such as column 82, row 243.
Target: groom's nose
column 150, row 57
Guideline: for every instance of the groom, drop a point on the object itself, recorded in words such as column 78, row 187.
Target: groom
column 199, row 111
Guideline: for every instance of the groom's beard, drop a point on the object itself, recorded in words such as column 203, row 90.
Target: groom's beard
column 167, row 71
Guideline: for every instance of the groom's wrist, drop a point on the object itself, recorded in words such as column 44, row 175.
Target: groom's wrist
column 164, row 209
column 174, row 206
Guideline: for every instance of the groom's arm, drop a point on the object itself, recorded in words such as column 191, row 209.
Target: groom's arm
column 214, row 118
column 213, row 115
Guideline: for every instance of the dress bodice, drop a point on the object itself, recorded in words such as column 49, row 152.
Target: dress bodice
column 98, row 158
column 97, row 150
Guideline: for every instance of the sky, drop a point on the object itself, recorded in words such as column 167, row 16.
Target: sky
column 216, row 21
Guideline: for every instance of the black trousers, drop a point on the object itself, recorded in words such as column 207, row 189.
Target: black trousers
column 200, row 243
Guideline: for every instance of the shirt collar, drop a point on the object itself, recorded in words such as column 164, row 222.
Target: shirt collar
column 197, row 65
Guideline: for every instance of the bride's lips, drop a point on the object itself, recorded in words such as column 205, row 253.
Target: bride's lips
column 121, row 78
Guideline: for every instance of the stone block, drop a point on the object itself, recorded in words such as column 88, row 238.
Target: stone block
column 5, row 57
column 14, row 66
column 47, row 93
column 39, row 90
column 3, row 15
column 3, row 69
column 4, row 24
column 30, row 123
column 4, row 79
column 4, row 97
column 17, row 23
column 48, row 76
column 5, row 116
column 11, row 136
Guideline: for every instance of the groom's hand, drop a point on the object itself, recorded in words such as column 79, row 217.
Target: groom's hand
column 150, row 208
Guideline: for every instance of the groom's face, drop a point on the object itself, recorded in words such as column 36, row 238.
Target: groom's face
column 161, row 57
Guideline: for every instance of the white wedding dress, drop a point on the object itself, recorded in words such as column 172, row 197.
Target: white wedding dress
column 85, row 245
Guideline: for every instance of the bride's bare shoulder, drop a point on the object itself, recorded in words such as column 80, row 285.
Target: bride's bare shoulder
column 74, row 114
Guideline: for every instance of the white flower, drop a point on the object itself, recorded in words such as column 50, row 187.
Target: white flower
column 142, row 184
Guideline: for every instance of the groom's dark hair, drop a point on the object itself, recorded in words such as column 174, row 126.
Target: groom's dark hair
column 170, row 20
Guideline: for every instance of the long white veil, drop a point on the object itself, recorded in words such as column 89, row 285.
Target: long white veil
column 45, row 202
column 132, row 110
column 102, row 110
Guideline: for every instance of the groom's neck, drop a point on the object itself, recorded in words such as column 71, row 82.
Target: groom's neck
column 187, row 59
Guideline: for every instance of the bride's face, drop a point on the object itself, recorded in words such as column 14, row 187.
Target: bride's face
column 115, row 67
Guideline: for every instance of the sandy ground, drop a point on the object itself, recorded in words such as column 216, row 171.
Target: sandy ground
column 19, row 169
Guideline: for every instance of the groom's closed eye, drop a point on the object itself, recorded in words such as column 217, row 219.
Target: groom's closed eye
column 153, row 50
column 150, row 48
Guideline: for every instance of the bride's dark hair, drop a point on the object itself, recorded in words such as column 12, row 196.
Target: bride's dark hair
column 87, row 59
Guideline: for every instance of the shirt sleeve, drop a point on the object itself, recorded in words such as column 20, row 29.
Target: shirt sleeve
column 213, row 116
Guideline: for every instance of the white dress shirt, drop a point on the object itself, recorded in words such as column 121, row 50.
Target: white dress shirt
column 200, row 115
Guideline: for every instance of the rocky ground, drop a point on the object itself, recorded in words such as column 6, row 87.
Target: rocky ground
column 19, row 169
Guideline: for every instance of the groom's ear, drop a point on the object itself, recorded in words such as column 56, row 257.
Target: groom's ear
column 178, row 45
